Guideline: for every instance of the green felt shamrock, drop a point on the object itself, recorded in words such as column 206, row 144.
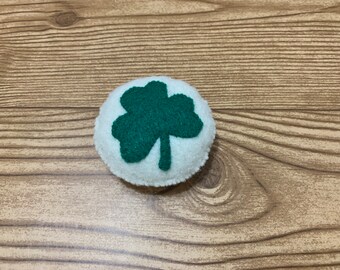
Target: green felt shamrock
column 151, row 114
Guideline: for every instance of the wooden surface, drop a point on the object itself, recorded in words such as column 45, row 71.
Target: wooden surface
column 269, row 197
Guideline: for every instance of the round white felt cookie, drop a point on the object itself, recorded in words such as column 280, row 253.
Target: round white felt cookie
column 188, row 154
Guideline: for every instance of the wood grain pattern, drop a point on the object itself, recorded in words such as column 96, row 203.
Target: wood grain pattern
column 259, row 202
column 240, row 54
column 269, row 196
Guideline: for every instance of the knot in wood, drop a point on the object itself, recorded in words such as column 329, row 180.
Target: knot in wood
column 66, row 19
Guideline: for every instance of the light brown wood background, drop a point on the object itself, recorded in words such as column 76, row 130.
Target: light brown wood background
column 269, row 197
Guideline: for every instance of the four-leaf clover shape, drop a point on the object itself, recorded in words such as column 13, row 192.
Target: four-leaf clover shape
column 151, row 114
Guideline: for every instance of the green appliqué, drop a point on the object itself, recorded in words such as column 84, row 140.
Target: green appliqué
column 151, row 114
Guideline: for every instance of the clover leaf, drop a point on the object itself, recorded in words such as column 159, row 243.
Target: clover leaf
column 151, row 114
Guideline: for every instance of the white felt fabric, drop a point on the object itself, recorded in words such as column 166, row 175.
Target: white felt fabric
column 187, row 154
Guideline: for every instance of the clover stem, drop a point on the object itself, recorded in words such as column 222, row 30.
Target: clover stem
column 165, row 159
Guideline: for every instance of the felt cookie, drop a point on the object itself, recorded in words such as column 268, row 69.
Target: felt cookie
column 154, row 131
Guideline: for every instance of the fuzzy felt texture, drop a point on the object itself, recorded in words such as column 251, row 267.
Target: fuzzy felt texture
column 173, row 150
column 152, row 115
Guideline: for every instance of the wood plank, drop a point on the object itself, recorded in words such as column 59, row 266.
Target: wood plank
column 240, row 54
column 268, row 197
